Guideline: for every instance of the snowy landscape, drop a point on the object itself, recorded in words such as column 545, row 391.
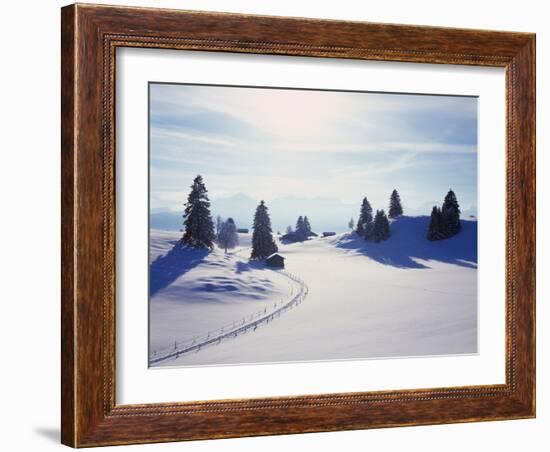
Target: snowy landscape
column 404, row 296
column 256, row 261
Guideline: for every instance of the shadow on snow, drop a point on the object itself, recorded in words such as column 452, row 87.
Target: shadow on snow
column 408, row 242
column 164, row 270
column 247, row 265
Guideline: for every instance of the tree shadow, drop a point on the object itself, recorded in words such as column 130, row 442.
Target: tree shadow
column 164, row 270
column 408, row 245
column 244, row 266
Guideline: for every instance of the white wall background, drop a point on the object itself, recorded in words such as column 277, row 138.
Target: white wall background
column 29, row 254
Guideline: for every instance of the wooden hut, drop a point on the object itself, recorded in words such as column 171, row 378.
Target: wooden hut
column 275, row 260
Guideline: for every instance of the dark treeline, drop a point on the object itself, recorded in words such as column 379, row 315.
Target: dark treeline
column 200, row 231
column 377, row 228
column 365, row 224
column 199, row 227
column 381, row 229
column 445, row 220
column 302, row 231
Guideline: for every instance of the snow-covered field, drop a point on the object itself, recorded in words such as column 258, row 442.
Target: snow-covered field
column 403, row 297
column 194, row 292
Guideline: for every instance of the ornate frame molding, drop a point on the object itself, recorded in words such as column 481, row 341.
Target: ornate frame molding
column 90, row 37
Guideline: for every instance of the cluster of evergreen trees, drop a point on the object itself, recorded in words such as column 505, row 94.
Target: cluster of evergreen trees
column 381, row 229
column 303, row 229
column 365, row 224
column 445, row 220
column 199, row 227
column 377, row 228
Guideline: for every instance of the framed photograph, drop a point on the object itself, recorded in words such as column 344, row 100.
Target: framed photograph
column 282, row 225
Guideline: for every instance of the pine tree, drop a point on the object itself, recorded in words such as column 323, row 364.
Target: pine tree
column 435, row 230
column 364, row 223
column 378, row 233
column 299, row 224
column 351, row 224
column 395, row 205
column 262, row 238
column 381, row 229
column 445, row 221
column 199, row 227
column 289, row 230
column 301, row 229
column 307, row 227
column 450, row 211
column 369, row 231
column 228, row 237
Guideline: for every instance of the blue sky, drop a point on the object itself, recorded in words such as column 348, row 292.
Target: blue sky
column 277, row 143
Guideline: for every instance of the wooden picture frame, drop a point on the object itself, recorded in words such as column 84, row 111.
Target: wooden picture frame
column 90, row 36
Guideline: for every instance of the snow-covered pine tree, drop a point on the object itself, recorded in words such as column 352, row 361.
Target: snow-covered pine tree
column 301, row 229
column 368, row 234
column 307, row 227
column 351, row 224
column 381, row 229
column 289, row 230
column 364, row 223
column 199, row 227
column 445, row 222
column 450, row 211
column 435, row 230
column 299, row 224
column 262, row 238
column 228, row 237
column 395, row 205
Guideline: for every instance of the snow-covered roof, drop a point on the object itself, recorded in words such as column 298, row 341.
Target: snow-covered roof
column 275, row 254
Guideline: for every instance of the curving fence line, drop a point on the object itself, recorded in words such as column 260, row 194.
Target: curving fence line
column 231, row 330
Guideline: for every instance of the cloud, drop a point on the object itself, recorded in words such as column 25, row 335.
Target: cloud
column 174, row 135
column 388, row 146
column 271, row 143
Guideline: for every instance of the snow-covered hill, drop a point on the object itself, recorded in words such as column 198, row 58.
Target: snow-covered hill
column 193, row 291
column 408, row 247
column 403, row 297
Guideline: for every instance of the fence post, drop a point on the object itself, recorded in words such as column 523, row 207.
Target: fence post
column 295, row 300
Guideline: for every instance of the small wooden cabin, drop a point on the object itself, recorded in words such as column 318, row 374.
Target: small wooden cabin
column 328, row 234
column 275, row 260
column 242, row 231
